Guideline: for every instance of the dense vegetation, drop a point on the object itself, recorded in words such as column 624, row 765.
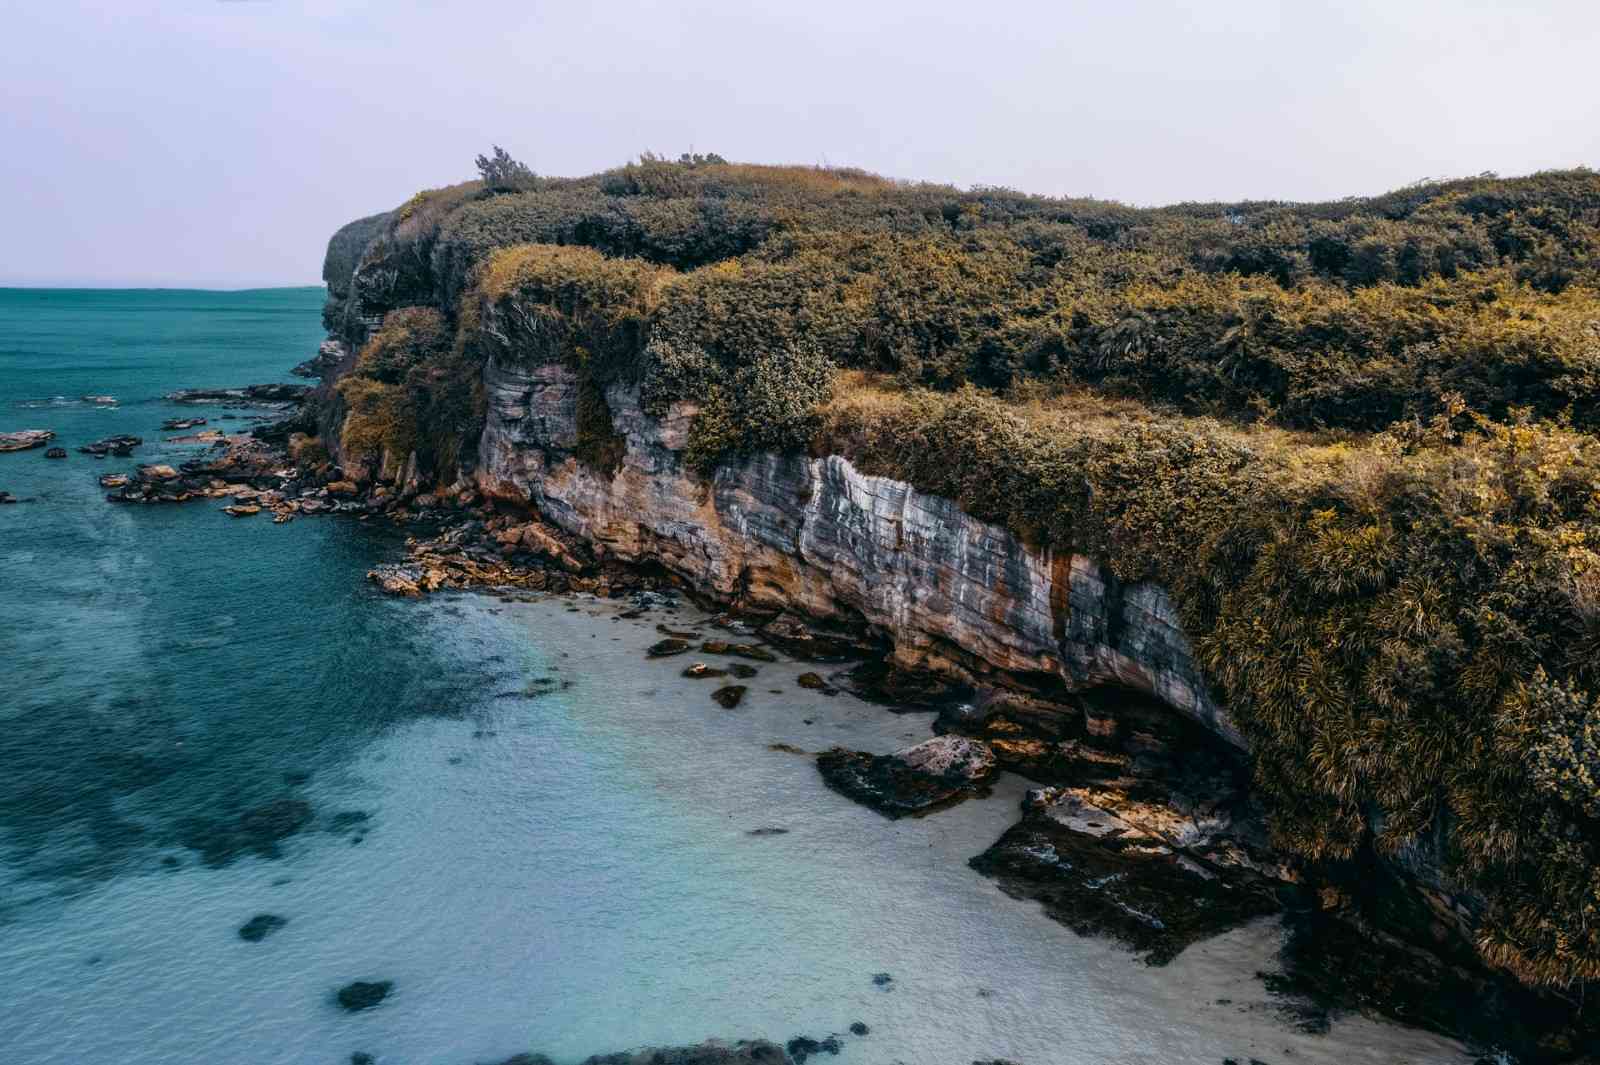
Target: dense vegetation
column 1356, row 440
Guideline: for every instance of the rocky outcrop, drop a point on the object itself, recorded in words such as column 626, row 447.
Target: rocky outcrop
column 955, row 595
column 24, row 439
column 919, row 779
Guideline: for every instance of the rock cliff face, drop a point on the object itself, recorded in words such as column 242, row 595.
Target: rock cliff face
column 955, row 595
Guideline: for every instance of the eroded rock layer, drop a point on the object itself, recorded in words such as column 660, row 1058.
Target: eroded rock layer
column 956, row 596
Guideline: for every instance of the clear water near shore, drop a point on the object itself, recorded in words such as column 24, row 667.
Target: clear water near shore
column 571, row 872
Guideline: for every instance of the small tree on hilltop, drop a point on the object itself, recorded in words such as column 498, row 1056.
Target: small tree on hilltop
column 501, row 173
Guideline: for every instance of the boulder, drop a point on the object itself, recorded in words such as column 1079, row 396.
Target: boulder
column 915, row 780
column 670, row 646
column 729, row 695
column 120, row 446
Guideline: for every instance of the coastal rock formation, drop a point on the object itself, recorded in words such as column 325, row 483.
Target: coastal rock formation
column 953, row 595
column 23, row 439
column 330, row 353
column 120, row 446
column 924, row 777
column 249, row 395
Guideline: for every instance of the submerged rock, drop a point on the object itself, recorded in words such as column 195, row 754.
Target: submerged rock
column 742, row 671
column 712, row 1052
column 7, row 497
column 257, row 831
column 177, row 425
column 670, row 646
column 55, row 453
column 261, row 926
column 363, row 994
column 23, row 439
column 730, row 695
column 935, row 773
column 802, row 1047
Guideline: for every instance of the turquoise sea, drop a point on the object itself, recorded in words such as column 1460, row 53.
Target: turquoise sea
column 546, row 842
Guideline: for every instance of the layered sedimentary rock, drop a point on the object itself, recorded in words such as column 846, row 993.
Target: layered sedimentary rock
column 955, row 595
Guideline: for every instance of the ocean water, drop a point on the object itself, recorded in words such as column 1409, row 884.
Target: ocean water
column 543, row 839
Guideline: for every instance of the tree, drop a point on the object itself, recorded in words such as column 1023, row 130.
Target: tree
column 501, row 173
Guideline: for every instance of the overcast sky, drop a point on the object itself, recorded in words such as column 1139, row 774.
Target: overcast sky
column 220, row 142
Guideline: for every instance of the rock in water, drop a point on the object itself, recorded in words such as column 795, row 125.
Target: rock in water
column 814, row 682
column 23, row 439
column 700, row 670
column 742, row 650
column 261, row 926
column 730, row 695
column 802, row 1047
column 751, row 1052
column 363, row 994
column 112, row 445
column 915, row 780
column 670, row 646
column 55, row 453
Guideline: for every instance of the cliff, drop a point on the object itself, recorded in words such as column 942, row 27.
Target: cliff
column 1363, row 584
column 954, row 595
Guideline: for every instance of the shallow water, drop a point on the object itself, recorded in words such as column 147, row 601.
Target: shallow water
column 571, row 872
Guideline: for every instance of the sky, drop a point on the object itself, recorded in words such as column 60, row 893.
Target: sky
column 220, row 143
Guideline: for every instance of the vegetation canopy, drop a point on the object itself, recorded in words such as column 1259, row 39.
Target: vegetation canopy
column 1355, row 440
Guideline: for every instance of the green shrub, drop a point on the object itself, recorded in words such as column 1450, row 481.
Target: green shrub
column 408, row 337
